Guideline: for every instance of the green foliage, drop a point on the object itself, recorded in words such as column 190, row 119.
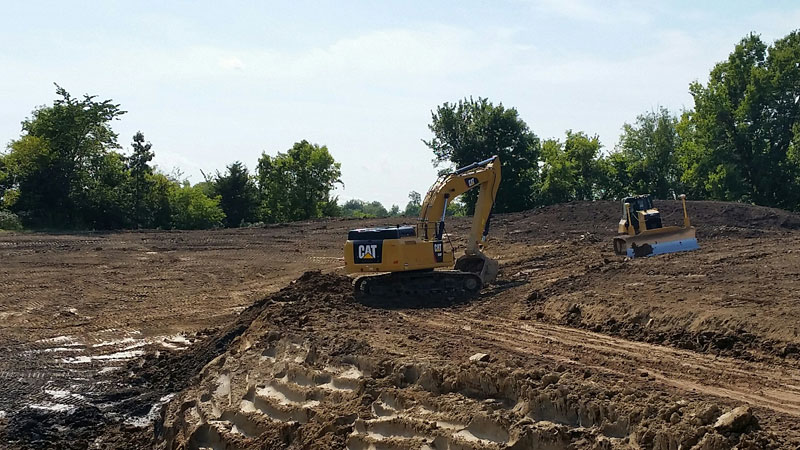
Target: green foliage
column 474, row 130
column 63, row 147
column 191, row 209
column 740, row 142
column 159, row 197
column 414, row 204
column 456, row 208
column 106, row 198
column 362, row 209
column 6, row 182
column 741, row 138
column 238, row 195
column 296, row 185
column 9, row 221
column 646, row 158
column 141, row 180
column 572, row 170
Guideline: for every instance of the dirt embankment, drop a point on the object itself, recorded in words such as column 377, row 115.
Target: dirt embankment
column 737, row 296
column 316, row 369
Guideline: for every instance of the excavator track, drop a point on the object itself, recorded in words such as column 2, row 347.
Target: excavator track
column 434, row 283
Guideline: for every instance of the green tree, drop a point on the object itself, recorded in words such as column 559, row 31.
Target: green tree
column 414, row 204
column 238, row 194
column 5, row 180
column 572, row 170
column 296, row 185
column 161, row 194
column 106, row 200
column 741, row 136
column 474, row 130
column 360, row 208
column 645, row 160
column 61, row 149
column 141, row 180
column 191, row 209
column 616, row 181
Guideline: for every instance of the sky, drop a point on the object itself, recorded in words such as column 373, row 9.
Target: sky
column 211, row 82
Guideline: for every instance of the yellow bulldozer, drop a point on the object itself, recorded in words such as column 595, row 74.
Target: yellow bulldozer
column 641, row 232
column 400, row 260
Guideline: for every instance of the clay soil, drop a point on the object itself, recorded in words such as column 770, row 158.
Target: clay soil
column 251, row 338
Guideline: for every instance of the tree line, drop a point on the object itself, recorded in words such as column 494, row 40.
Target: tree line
column 740, row 142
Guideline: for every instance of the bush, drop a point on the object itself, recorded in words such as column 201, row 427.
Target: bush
column 9, row 221
column 193, row 210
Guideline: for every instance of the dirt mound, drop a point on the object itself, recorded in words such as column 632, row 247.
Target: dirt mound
column 601, row 217
column 319, row 370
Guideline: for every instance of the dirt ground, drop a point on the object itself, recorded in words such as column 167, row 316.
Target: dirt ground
column 203, row 340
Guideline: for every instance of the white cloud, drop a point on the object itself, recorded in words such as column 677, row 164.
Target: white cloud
column 604, row 12
column 231, row 63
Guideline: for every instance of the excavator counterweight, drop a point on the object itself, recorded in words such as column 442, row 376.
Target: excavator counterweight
column 402, row 260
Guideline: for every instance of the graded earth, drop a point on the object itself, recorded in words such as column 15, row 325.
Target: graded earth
column 252, row 338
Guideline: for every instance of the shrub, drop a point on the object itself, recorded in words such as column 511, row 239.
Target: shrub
column 9, row 221
column 193, row 210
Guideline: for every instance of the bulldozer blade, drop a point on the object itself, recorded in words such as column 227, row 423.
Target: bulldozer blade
column 649, row 244
column 480, row 264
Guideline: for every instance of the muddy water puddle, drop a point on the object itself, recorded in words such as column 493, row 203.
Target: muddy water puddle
column 61, row 374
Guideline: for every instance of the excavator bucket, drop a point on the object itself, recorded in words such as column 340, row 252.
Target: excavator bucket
column 657, row 242
column 486, row 268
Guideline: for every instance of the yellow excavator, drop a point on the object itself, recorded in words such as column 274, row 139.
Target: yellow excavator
column 641, row 232
column 401, row 260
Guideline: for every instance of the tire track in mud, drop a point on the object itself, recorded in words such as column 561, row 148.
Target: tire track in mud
column 776, row 388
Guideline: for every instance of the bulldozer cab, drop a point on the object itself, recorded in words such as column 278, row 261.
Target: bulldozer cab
column 637, row 203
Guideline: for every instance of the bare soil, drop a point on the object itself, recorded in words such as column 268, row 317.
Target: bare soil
column 203, row 340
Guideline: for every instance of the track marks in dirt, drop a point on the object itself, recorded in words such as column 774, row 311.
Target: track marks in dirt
column 773, row 387
column 295, row 389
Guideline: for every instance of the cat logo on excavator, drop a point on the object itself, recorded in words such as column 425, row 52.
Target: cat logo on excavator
column 366, row 251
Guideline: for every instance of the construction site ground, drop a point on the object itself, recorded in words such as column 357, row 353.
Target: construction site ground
column 251, row 338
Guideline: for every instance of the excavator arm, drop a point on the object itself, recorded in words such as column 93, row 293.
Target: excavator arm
column 483, row 175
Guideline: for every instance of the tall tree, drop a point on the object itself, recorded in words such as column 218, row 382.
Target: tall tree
column 141, row 180
column 296, row 185
column 238, row 194
column 473, row 130
column 414, row 204
column 62, row 147
column 648, row 148
column 571, row 170
column 741, row 135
